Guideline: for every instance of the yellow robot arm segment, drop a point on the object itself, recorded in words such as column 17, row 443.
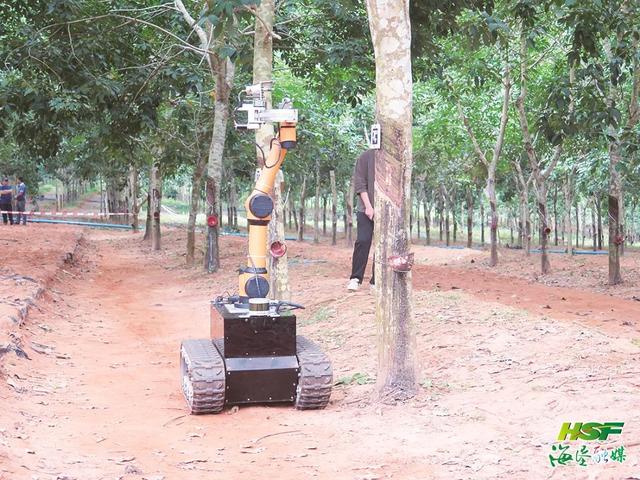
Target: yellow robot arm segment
column 254, row 278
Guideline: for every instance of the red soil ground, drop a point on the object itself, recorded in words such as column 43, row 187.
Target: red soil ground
column 503, row 359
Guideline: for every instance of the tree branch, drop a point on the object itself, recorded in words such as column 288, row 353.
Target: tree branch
column 474, row 140
column 269, row 31
column 506, row 82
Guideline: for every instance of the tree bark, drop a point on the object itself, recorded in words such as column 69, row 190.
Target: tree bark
column 334, row 212
column 568, row 201
column 156, row 196
column 469, row 218
column 482, row 222
column 555, row 215
column 349, row 209
column 148, row 224
column 316, row 206
column 594, row 228
column 427, row 222
column 301, row 219
column 615, row 222
column 133, row 196
column 278, row 267
column 196, row 187
column 391, row 35
column 224, row 81
column 324, row 214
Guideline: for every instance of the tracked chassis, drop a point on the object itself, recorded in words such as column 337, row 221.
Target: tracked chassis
column 258, row 359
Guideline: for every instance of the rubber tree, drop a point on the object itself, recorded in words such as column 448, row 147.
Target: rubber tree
column 491, row 163
column 605, row 41
column 263, row 72
column 539, row 172
column 391, row 36
column 214, row 50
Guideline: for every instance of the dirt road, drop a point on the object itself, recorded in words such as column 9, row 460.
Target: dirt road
column 498, row 374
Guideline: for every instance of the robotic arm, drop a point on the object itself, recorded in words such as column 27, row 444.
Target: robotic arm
column 254, row 278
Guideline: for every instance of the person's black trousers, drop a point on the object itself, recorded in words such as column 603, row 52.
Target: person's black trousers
column 6, row 210
column 361, row 248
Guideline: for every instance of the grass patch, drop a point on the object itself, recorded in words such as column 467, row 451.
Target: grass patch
column 355, row 379
column 321, row 315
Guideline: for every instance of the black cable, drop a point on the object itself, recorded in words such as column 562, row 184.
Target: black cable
column 270, row 147
column 264, row 158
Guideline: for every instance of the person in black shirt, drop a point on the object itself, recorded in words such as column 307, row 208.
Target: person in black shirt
column 363, row 180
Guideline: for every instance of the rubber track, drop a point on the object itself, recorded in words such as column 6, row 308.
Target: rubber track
column 206, row 374
column 316, row 375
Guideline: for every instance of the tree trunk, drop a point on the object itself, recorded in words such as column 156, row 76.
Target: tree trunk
column 133, row 196
column 555, row 215
column 453, row 207
column 493, row 205
column 334, row 212
column 148, row 224
column 577, row 224
column 568, row 201
column 598, row 204
column 301, row 219
column 278, row 267
column 469, row 219
column 594, row 229
column 292, row 207
column 156, row 196
column 196, row 187
column 391, row 35
column 545, row 265
column 224, row 81
column 427, row 222
column 418, row 216
column 615, row 207
column 324, row 215
column 482, row 222
column 349, row 207
column 316, row 207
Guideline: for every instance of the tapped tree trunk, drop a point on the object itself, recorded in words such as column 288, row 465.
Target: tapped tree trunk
column 349, row 215
column 568, row 201
column 301, row 219
column 196, row 186
column 147, row 226
column 469, row 219
column 545, row 265
column 324, row 215
column 493, row 228
column 615, row 206
column 482, row 222
column 133, row 196
column 224, row 81
column 391, row 35
column 278, row 267
column 555, row 215
column 427, row 222
column 263, row 72
column 316, row 207
column 594, row 229
column 156, row 196
column 334, row 212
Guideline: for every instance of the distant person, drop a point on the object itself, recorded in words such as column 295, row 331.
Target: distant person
column 363, row 180
column 21, row 201
column 5, row 201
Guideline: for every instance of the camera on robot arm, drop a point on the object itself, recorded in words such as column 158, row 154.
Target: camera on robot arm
column 253, row 108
